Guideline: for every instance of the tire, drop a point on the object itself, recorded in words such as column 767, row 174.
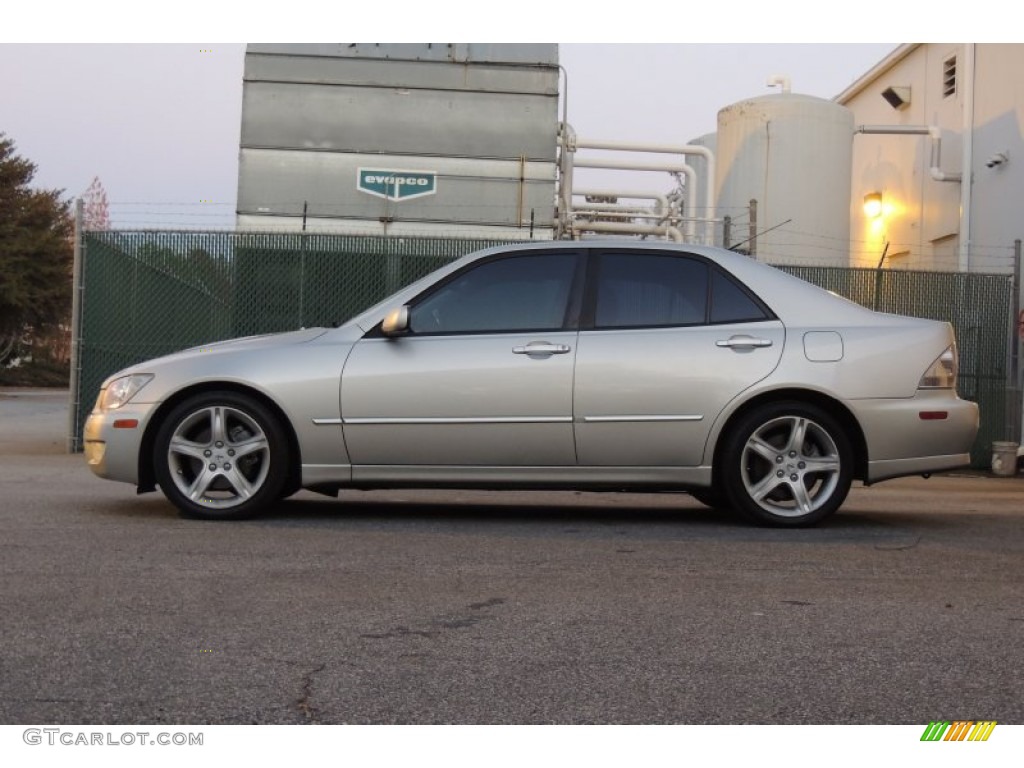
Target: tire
column 787, row 464
column 221, row 456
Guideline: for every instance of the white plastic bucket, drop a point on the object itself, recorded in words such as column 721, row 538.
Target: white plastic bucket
column 1004, row 459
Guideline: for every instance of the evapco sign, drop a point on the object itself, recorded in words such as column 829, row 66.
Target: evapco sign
column 392, row 184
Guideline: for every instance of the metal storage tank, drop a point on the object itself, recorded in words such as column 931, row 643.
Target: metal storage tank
column 792, row 154
column 442, row 139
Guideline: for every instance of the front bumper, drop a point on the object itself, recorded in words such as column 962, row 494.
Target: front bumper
column 930, row 432
column 111, row 446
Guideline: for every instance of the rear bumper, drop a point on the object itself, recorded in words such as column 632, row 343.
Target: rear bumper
column 930, row 432
column 924, row 465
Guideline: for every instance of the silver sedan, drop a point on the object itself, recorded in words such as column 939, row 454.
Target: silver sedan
column 588, row 365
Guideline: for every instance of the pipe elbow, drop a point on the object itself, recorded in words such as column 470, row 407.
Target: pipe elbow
column 568, row 136
column 940, row 175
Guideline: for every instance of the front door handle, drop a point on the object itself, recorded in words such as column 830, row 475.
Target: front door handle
column 743, row 342
column 541, row 348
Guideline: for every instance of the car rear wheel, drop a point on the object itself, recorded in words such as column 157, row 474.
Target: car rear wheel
column 787, row 464
column 221, row 455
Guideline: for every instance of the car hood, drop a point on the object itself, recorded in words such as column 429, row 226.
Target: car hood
column 244, row 344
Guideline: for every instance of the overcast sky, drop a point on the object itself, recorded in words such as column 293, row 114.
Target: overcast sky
column 159, row 123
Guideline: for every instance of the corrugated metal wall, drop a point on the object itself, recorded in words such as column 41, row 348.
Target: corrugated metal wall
column 482, row 120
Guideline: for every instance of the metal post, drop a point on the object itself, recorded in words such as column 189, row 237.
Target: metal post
column 77, row 288
column 522, row 190
column 753, row 229
column 302, row 268
column 727, row 232
column 878, row 278
column 1013, row 395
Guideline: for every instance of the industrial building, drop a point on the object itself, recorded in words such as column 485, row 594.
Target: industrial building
column 943, row 188
column 431, row 139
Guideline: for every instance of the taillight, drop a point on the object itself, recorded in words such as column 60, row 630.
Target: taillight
column 942, row 373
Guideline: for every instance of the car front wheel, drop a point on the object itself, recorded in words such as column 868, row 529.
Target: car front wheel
column 787, row 464
column 221, row 455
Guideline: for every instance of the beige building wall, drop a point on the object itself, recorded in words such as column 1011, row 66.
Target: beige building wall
column 921, row 217
column 997, row 206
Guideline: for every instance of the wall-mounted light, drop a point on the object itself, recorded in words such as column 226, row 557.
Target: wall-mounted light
column 898, row 96
column 873, row 205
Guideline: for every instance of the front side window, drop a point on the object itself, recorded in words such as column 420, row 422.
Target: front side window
column 518, row 293
column 642, row 290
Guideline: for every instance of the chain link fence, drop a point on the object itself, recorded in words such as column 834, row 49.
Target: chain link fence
column 146, row 294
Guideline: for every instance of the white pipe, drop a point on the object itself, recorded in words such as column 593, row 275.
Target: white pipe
column 936, row 171
column 662, row 205
column 616, row 208
column 896, row 130
column 631, row 229
column 934, row 131
column 780, row 80
column 581, row 214
column 967, row 164
column 671, row 149
column 658, row 197
column 626, row 165
column 567, row 138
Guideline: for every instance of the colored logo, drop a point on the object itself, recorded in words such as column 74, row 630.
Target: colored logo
column 396, row 185
column 958, row 730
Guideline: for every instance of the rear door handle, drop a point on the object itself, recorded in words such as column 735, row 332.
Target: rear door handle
column 541, row 348
column 743, row 342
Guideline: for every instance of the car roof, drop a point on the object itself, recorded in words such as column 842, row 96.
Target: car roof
column 795, row 301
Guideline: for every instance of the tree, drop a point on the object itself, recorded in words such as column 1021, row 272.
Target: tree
column 36, row 254
column 96, row 213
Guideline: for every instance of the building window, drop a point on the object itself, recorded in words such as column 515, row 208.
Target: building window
column 949, row 77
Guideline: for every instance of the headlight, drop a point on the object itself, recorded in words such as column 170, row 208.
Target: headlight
column 121, row 390
column 942, row 373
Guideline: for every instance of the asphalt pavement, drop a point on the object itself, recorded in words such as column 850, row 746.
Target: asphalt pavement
column 483, row 607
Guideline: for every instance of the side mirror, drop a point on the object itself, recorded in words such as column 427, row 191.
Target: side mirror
column 396, row 322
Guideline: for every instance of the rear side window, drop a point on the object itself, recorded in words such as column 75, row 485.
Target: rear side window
column 730, row 303
column 650, row 290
